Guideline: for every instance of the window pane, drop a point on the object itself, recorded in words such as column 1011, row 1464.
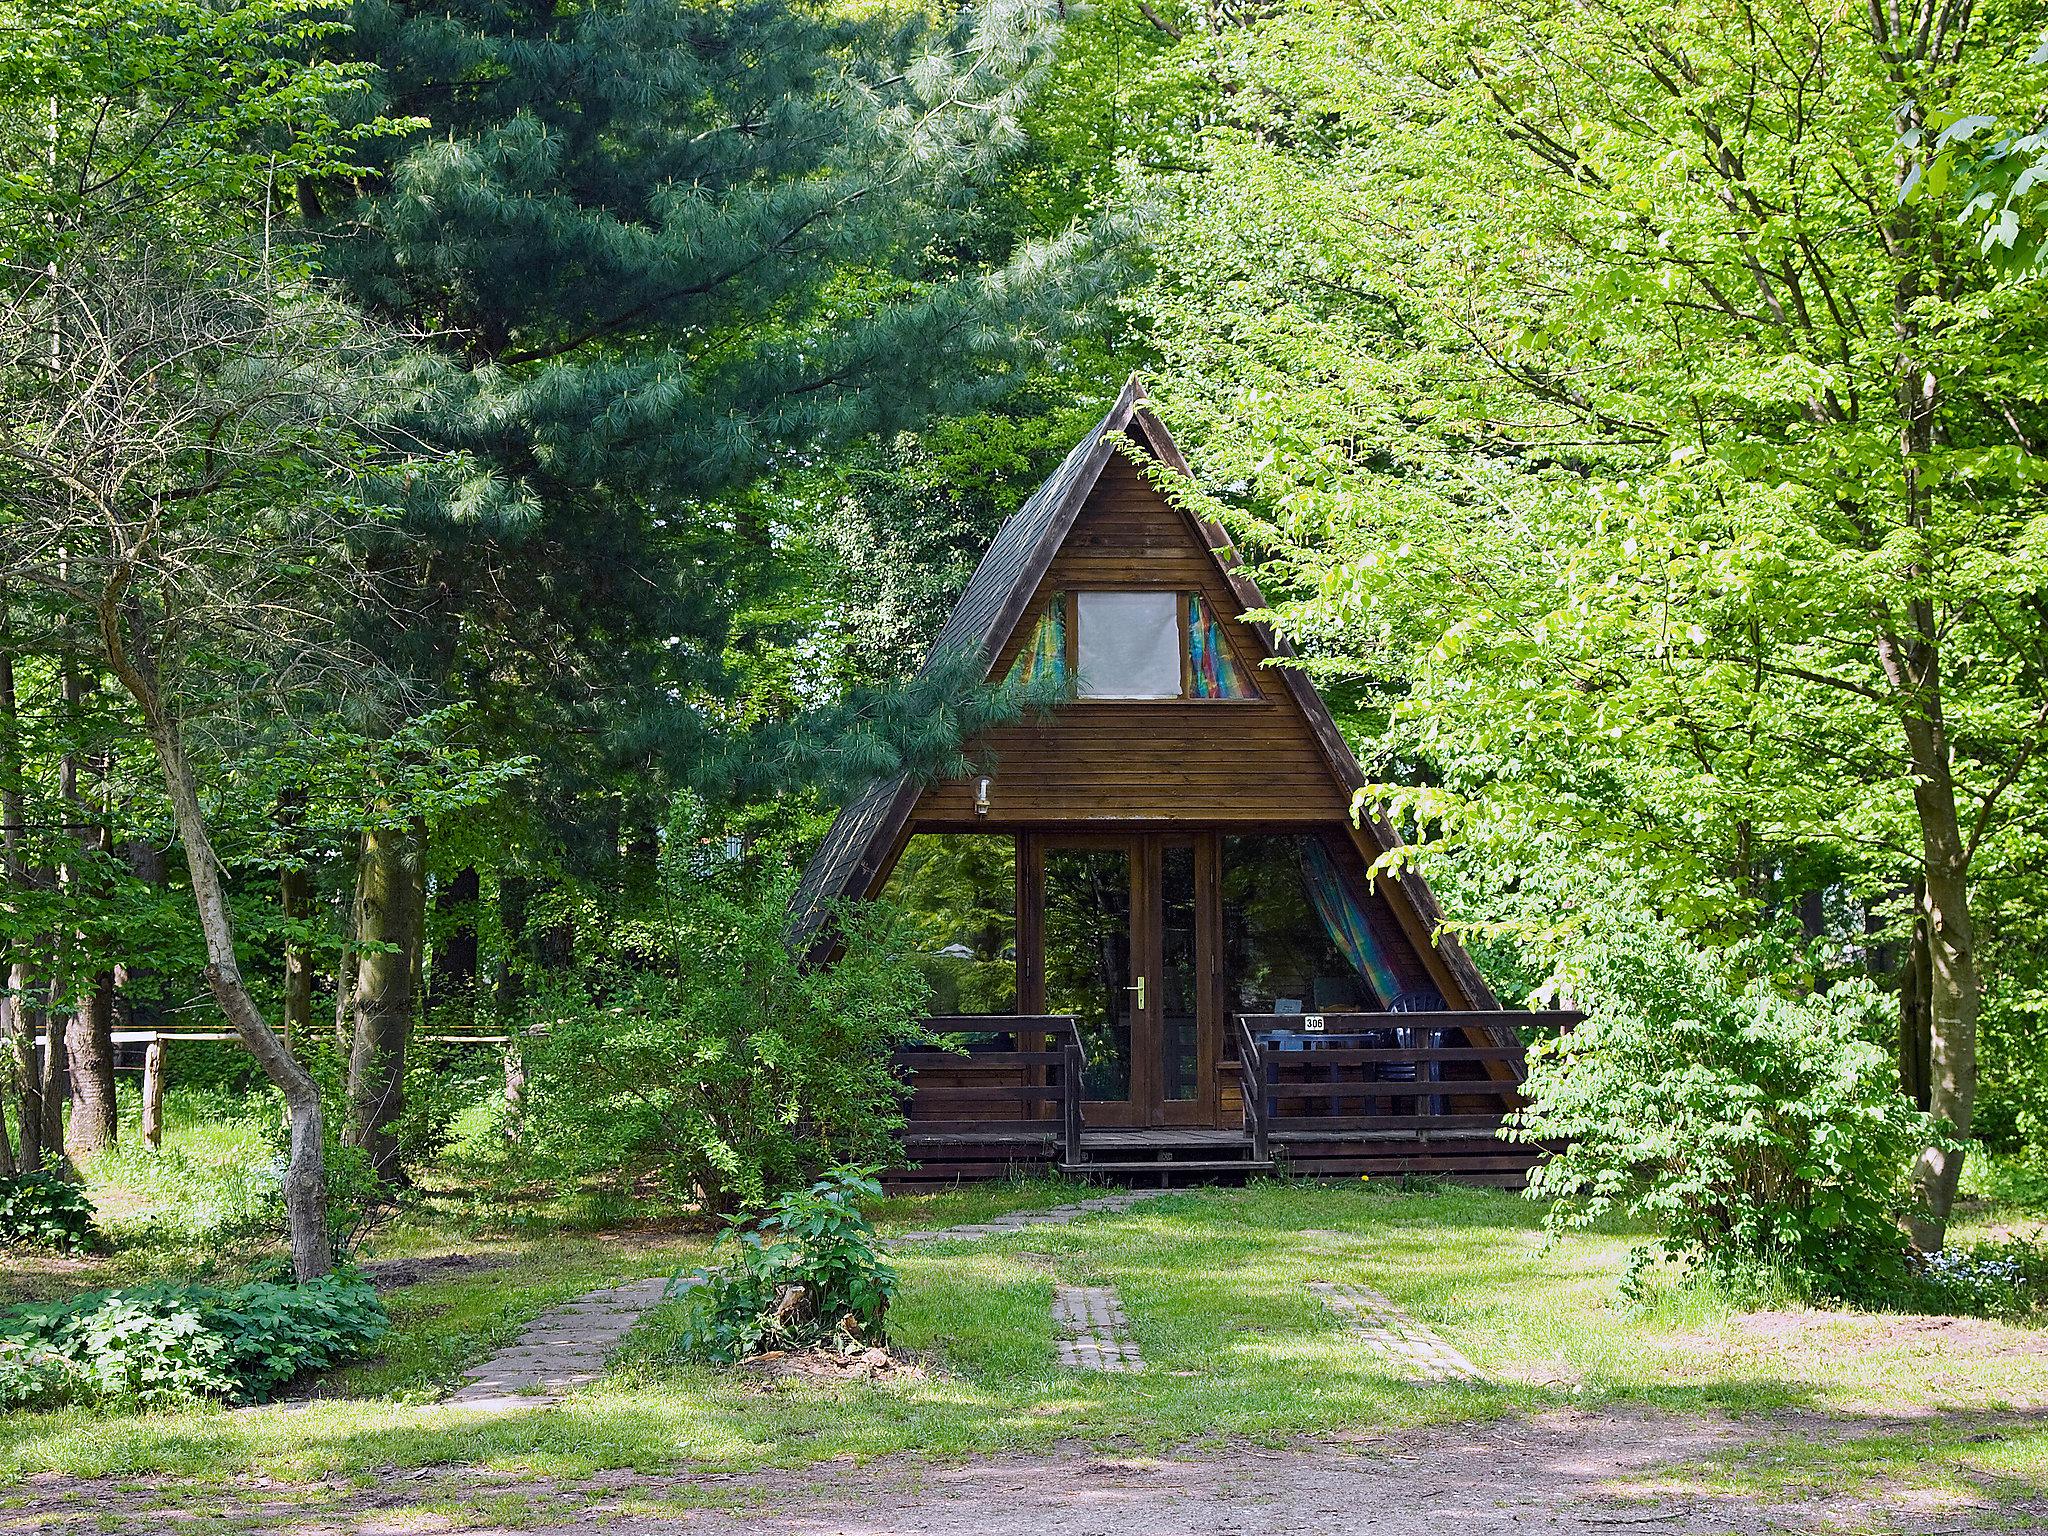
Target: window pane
column 1278, row 955
column 1128, row 645
column 1088, row 958
column 960, row 892
column 1180, row 978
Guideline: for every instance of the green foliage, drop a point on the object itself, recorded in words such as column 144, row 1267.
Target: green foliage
column 1760, row 1131
column 150, row 1347
column 45, row 1210
column 719, row 1055
column 808, row 1273
column 1629, row 429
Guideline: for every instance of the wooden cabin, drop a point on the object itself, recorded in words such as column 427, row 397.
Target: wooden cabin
column 1152, row 939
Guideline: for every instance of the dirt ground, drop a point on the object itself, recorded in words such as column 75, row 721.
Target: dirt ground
column 1559, row 1474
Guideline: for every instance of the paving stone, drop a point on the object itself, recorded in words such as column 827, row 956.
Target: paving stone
column 1094, row 1334
column 564, row 1347
column 1414, row 1349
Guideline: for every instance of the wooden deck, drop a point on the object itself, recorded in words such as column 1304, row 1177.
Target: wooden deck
column 1384, row 1095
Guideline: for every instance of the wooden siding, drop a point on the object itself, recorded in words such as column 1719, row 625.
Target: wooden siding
column 1185, row 761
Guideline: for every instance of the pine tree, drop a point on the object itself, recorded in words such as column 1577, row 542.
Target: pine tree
column 656, row 250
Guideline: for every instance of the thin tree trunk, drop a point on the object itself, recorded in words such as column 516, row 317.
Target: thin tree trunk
column 7, row 1167
column 95, row 1119
column 28, row 1024
column 295, row 901
column 56, row 1083
column 387, row 897
column 295, row 904
column 95, row 1113
column 16, row 1016
column 1912, row 660
column 451, row 986
column 305, row 1178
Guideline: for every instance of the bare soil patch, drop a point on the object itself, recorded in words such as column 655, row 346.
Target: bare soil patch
column 828, row 1367
column 393, row 1274
column 1566, row 1473
column 1951, row 1335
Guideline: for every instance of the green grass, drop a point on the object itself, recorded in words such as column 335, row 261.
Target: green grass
column 1214, row 1284
column 1969, row 1467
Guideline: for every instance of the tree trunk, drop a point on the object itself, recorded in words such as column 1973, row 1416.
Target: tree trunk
column 514, row 894
column 1915, row 1028
column 387, row 899
column 28, row 1077
column 295, row 904
column 1954, row 990
column 95, row 1120
column 17, row 1069
column 295, row 901
column 1912, row 660
column 56, row 1083
column 305, row 1177
column 7, row 1167
column 451, row 987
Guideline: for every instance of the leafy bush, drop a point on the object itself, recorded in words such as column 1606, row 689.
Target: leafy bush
column 171, row 1344
column 1759, row 1130
column 732, row 1065
column 44, row 1210
column 2008, row 1279
column 809, row 1273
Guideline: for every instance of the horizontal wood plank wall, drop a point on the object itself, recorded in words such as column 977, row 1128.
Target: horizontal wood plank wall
column 1190, row 761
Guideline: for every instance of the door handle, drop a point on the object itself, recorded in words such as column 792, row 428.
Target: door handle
column 1140, row 990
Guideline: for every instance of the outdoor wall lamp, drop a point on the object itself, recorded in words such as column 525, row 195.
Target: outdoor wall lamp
column 981, row 796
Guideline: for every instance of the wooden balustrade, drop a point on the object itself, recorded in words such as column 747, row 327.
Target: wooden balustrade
column 1372, row 1076
column 1030, row 1065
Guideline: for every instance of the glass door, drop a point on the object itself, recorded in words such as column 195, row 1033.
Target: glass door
column 1126, row 941
column 1087, row 935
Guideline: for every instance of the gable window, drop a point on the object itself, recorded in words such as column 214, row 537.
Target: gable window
column 1133, row 645
column 1127, row 645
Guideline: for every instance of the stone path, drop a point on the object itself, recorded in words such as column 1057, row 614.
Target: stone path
column 1094, row 1333
column 1023, row 1221
column 1415, row 1350
column 564, row 1347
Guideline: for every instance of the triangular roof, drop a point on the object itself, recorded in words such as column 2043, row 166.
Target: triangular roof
column 989, row 610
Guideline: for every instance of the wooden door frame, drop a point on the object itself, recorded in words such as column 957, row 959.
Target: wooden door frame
column 1144, row 848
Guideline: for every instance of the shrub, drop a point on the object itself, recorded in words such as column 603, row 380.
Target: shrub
column 808, row 1273
column 1759, row 1130
column 158, row 1345
column 45, row 1210
column 735, row 1067
column 2008, row 1279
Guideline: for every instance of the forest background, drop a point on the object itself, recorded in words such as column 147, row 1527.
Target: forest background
column 476, row 486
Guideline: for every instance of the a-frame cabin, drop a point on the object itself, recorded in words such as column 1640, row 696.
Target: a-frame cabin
column 1148, row 922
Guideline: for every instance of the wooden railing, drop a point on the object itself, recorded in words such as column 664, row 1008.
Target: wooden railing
column 1252, row 1074
column 1364, row 1076
column 1031, row 1065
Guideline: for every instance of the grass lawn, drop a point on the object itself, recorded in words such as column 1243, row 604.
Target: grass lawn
column 1213, row 1282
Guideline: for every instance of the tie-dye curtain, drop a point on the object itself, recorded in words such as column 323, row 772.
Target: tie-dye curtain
column 1046, row 655
column 1215, row 672
column 1345, row 918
